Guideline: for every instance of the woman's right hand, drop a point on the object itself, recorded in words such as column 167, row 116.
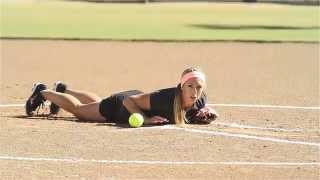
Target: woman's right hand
column 157, row 120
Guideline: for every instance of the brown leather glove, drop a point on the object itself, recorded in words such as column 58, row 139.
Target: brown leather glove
column 203, row 116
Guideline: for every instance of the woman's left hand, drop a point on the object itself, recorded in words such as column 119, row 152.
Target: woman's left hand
column 207, row 115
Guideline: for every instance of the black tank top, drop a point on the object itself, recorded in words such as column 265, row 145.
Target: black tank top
column 161, row 104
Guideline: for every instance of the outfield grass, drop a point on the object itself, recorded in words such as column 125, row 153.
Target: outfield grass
column 184, row 21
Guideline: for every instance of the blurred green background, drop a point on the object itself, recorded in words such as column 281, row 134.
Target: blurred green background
column 160, row 21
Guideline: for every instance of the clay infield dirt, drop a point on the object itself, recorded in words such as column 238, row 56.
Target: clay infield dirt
column 254, row 142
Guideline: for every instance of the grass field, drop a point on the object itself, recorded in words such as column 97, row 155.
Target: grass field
column 160, row 21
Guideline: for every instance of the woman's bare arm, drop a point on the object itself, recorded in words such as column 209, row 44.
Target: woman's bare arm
column 137, row 103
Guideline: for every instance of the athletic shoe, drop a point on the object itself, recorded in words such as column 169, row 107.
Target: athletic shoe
column 36, row 99
column 58, row 87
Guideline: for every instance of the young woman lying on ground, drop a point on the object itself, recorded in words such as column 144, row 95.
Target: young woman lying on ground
column 185, row 103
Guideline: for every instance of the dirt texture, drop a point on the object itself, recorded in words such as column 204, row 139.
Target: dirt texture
column 281, row 74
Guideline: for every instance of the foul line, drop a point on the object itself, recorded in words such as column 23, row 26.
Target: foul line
column 240, row 126
column 266, row 106
column 229, row 134
column 11, row 105
column 221, row 105
column 74, row 160
column 243, row 136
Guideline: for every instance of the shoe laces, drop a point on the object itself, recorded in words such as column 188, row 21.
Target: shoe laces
column 41, row 106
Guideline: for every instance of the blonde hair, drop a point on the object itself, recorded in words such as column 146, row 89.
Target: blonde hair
column 178, row 111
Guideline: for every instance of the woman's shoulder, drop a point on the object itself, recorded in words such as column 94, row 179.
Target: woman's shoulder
column 165, row 91
column 163, row 95
column 127, row 93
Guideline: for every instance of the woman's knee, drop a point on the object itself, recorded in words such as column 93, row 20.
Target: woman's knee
column 83, row 111
column 89, row 112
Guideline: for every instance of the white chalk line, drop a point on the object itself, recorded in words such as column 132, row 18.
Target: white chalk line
column 233, row 125
column 221, row 105
column 76, row 160
column 241, row 126
column 244, row 136
column 233, row 135
column 266, row 106
column 11, row 105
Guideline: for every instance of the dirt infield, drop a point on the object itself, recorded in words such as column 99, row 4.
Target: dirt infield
column 245, row 142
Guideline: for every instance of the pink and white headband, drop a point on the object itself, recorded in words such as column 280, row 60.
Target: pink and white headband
column 193, row 74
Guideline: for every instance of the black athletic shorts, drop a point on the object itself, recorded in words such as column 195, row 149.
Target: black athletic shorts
column 112, row 107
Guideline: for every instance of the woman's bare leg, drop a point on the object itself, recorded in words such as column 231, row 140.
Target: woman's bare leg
column 73, row 105
column 83, row 96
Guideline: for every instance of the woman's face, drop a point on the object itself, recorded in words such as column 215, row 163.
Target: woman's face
column 191, row 91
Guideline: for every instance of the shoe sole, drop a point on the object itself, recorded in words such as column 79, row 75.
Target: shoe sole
column 29, row 112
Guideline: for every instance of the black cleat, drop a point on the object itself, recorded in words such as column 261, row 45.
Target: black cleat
column 36, row 99
column 58, row 87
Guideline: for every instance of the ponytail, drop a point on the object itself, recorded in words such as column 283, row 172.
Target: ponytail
column 178, row 111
